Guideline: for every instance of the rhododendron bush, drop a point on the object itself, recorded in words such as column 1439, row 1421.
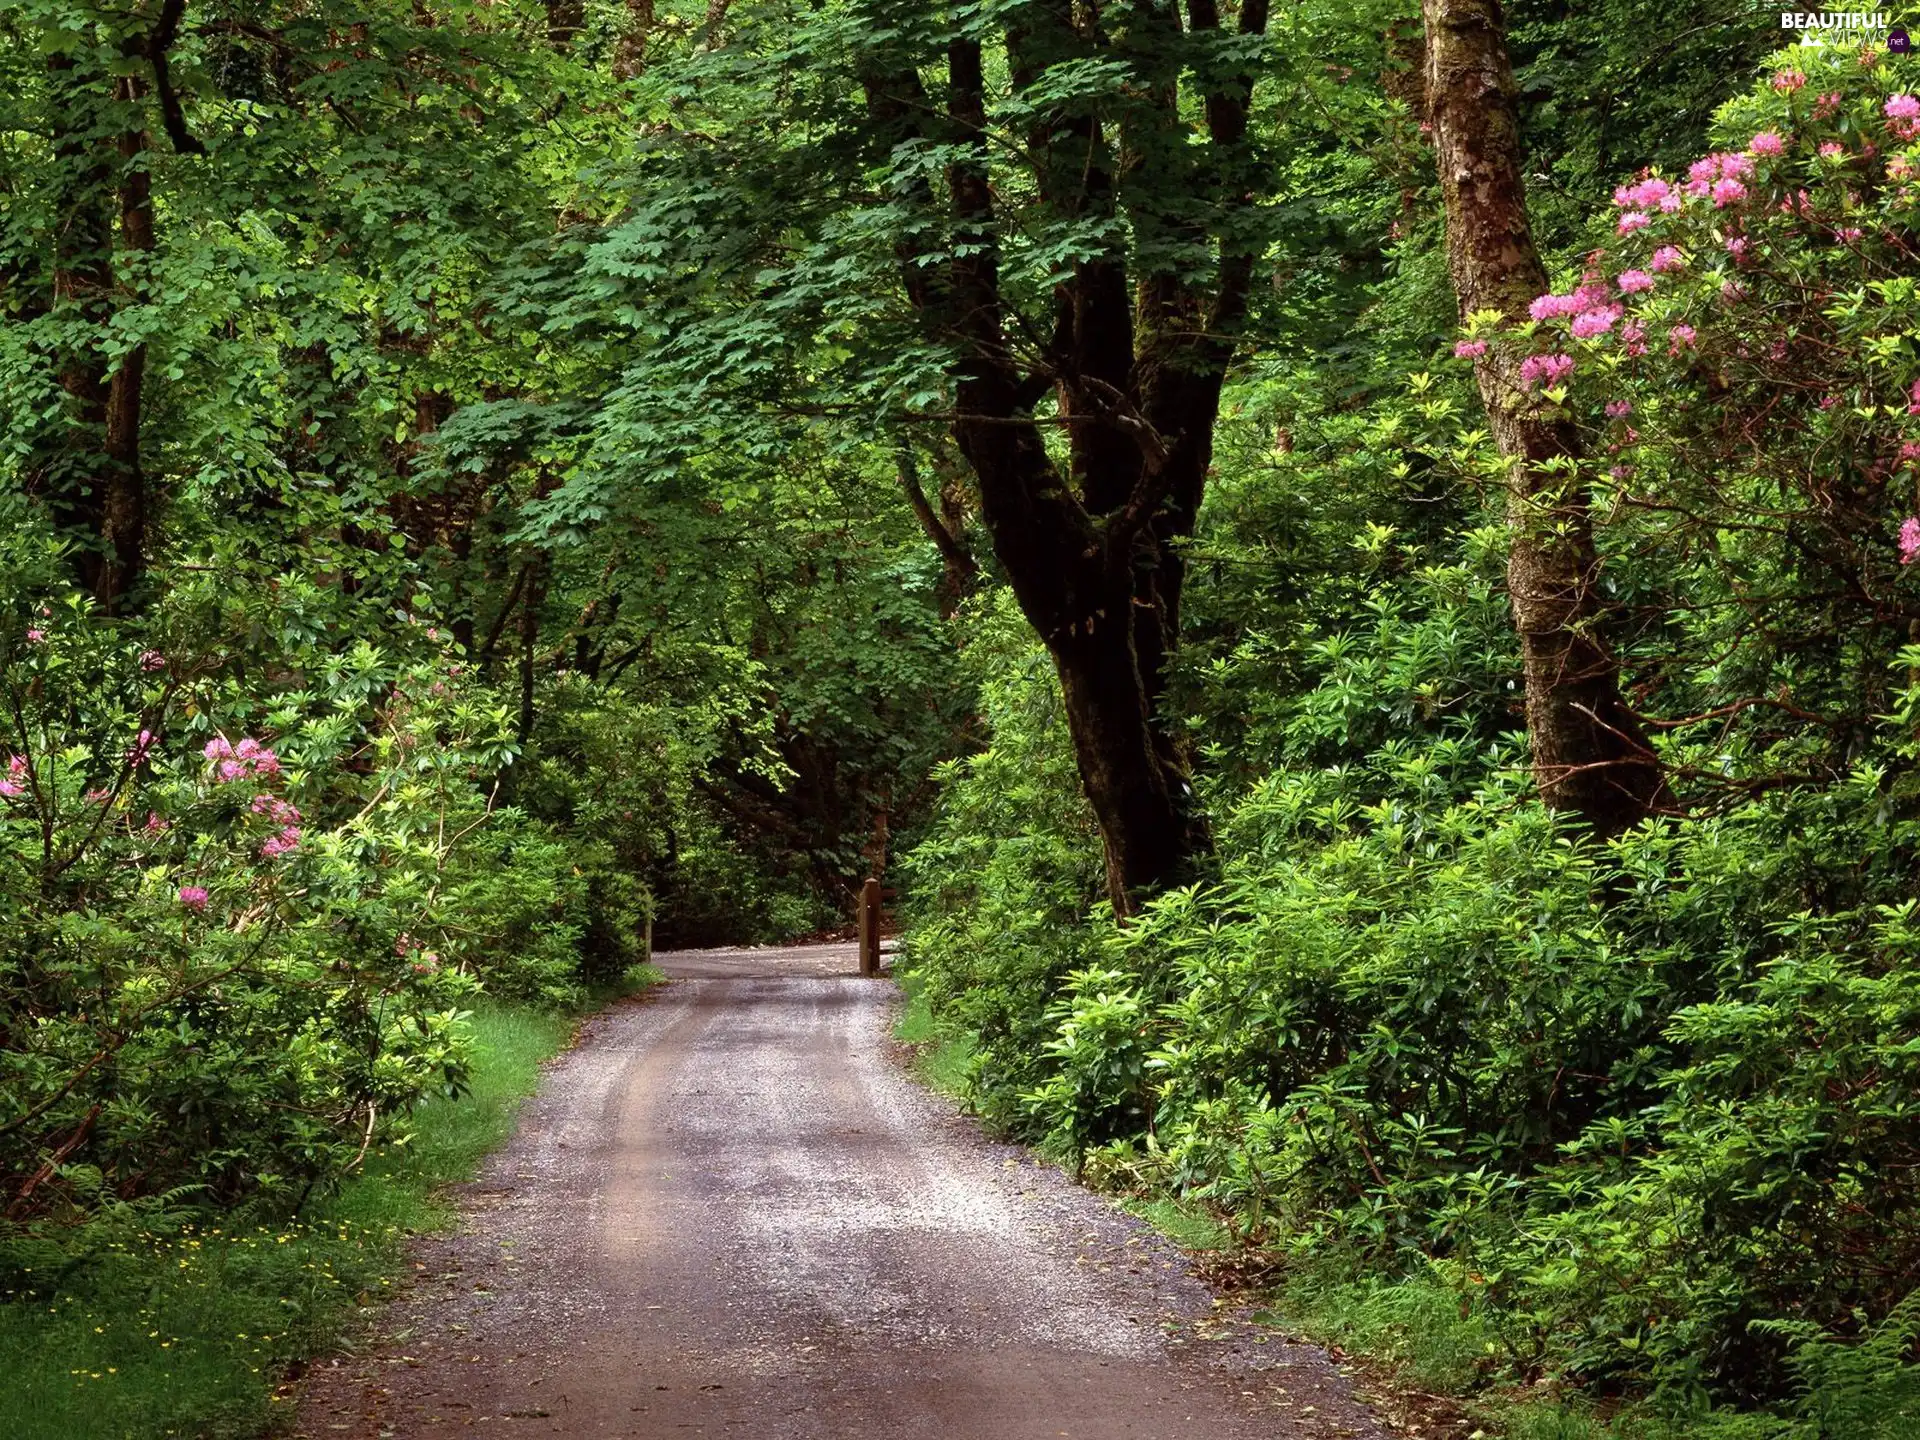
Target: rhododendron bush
column 228, row 960
column 1743, row 352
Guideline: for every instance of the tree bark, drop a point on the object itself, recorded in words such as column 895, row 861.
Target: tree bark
column 95, row 483
column 957, row 568
column 1139, row 349
column 1590, row 753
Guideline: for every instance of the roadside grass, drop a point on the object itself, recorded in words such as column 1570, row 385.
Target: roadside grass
column 151, row 1324
column 941, row 1058
column 1431, row 1368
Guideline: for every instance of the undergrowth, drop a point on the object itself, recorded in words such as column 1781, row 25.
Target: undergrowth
column 943, row 1057
column 161, row 1321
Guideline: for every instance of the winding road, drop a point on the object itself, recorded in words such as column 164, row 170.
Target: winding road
column 730, row 1212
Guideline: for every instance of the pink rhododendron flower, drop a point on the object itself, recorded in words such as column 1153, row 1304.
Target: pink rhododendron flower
column 1667, row 258
column 1847, row 234
column 1632, row 282
column 155, row 825
column 249, row 757
column 1619, row 409
column 142, row 743
column 1767, row 142
column 1831, row 150
column 1737, row 246
column 1469, row 349
column 1621, row 472
column 1902, row 107
column 1634, row 220
column 1899, row 167
column 98, row 796
column 1680, row 337
column 1590, row 323
column 280, row 812
column 1553, row 307
column 36, row 635
column 1731, row 293
column 1825, row 106
column 151, row 660
column 1728, row 192
column 1633, row 338
column 1538, row 371
column 1788, row 81
column 193, row 897
column 1909, row 540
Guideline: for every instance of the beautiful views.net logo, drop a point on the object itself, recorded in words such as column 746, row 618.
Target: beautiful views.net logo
column 1819, row 27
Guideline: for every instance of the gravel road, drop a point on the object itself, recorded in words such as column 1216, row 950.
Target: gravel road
column 730, row 1212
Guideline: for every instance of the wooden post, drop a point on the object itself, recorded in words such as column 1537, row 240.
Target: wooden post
column 870, row 927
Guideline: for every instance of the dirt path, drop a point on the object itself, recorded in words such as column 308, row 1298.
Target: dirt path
column 728, row 1212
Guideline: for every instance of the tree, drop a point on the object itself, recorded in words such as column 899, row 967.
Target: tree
column 1071, row 215
column 1590, row 754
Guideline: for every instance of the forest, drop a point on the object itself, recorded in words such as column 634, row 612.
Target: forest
column 1348, row 563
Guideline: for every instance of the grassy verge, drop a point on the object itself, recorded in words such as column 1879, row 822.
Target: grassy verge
column 940, row 1058
column 144, row 1325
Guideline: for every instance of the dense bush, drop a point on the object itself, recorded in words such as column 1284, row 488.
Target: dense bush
column 250, row 883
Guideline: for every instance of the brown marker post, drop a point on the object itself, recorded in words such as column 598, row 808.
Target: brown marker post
column 870, row 927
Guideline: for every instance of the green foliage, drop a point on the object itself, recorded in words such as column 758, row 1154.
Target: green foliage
column 1630, row 1115
column 151, row 1320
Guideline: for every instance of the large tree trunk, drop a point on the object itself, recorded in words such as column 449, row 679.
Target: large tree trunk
column 1140, row 343
column 96, row 487
column 1590, row 754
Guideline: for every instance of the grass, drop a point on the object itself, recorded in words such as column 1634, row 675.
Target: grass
column 941, row 1058
column 143, row 1326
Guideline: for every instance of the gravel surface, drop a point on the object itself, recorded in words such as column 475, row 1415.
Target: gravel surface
column 730, row 1212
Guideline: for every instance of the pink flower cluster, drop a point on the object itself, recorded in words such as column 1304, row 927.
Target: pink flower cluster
column 193, row 897
column 1667, row 259
column 1469, row 349
column 425, row 961
column 236, row 762
column 1545, row 371
column 280, row 812
column 1632, row 282
column 152, row 660
column 284, row 814
column 1910, row 540
column 1767, row 142
column 1591, row 324
column 1788, row 81
column 1590, row 296
column 142, row 744
column 1720, row 175
column 15, row 783
column 1903, row 116
column 1648, row 193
